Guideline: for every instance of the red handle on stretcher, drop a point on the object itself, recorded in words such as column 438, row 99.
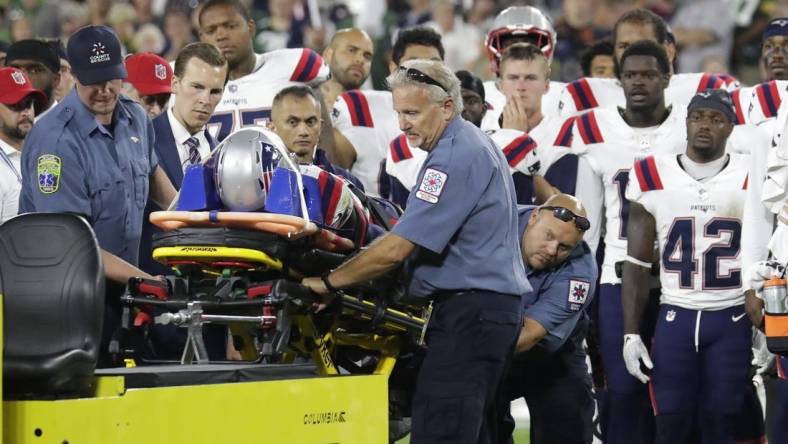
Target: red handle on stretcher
column 159, row 289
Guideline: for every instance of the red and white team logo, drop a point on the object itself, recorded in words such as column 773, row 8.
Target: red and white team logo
column 160, row 71
column 18, row 78
column 432, row 185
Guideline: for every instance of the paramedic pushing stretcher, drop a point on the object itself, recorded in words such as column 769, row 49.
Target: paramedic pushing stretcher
column 461, row 228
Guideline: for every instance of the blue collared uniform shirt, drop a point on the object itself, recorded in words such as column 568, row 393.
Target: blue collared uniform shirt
column 73, row 164
column 462, row 214
column 561, row 294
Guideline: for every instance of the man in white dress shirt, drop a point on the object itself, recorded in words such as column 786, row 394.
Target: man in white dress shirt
column 17, row 100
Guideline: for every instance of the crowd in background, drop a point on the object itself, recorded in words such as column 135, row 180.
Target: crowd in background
column 712, row 35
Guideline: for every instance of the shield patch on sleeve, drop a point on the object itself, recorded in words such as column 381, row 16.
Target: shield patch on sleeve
column 578, row 293
column 432, row 185
column 48, row 173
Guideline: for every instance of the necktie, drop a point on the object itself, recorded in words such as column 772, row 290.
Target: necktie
column 194, row 153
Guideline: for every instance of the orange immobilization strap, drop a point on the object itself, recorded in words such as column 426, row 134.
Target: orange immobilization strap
column 280, row 224
column 291, row 227
column 776, row 325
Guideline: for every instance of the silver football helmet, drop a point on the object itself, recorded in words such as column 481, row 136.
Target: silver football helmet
column 525, row 21
column 245, row 162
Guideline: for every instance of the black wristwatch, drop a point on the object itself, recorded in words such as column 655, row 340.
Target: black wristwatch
column 329, row 287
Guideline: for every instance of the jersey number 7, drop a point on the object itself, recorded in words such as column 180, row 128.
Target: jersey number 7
column 678, row 256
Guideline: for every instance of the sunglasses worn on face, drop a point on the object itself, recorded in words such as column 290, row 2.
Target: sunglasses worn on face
column 565, row 215
column 157, row 99
column 21, row 105
column 415, row 74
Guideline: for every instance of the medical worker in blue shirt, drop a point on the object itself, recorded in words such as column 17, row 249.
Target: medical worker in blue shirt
column 92, row 155
column 460, row 231
column 549, row 368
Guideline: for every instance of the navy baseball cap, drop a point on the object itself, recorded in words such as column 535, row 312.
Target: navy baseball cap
column 778, row 26
column 95, row 56
column 716, row 99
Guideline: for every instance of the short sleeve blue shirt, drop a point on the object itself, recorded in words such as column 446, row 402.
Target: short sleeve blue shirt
column 462, row 213
column 73, row 164
column 561, row 294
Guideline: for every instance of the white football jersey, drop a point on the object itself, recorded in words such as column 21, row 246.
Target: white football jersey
column 495, row 101
column 741, row 102
column 553, row 138
column 699, row 227
column 683, row 87
column 764, row 100
column 588, row 93
column 368, row 120
column 247, row 101
column 403, row 162
column 775, row 185
column 609, row 147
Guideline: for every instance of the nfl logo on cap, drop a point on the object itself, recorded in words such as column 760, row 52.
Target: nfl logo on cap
column 160, row 71
column 18, row 78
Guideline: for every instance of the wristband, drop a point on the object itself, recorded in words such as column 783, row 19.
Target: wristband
column 329, row 287
column 637, row 261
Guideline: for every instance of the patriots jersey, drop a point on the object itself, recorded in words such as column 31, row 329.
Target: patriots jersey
column 775, row 185
column 764, row 101
column 609, row 147
column 683, row 87
column 403, row 162
column 247, row 101
column 699, row 227
column 495, row 101
column 741, row 103
column 553, row 136
column 588, row 93
column 368, row 120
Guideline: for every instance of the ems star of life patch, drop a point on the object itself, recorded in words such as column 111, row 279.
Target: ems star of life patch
column 578, row 293
column 432, row 185
column 48, row 173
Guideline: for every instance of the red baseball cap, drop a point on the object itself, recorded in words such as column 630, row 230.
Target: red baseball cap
column 15, row 86
column 149, row 74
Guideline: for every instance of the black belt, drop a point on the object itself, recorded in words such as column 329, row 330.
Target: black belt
column 443, row 295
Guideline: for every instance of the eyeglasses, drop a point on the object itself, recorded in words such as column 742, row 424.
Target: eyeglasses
column 566, row 215
column 415, row 74
column 156, row 99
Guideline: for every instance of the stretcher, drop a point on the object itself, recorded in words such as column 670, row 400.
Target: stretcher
column 343, row 374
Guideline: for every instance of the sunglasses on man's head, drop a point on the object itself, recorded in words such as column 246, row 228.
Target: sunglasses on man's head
column 566, row 215
column 415, row 74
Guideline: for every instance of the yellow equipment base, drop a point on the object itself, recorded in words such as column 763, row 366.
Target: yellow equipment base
column 336, row 409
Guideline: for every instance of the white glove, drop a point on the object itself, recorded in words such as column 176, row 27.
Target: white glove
column 634, row 352
column 760, row 272
column 778, row 244
column 762, row 358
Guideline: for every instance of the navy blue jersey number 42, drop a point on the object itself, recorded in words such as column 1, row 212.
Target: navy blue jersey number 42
column 678, row 256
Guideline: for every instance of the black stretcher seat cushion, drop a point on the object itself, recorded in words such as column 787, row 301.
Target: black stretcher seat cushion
column 52, row 281
column 268, row 243
column 200, row 374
